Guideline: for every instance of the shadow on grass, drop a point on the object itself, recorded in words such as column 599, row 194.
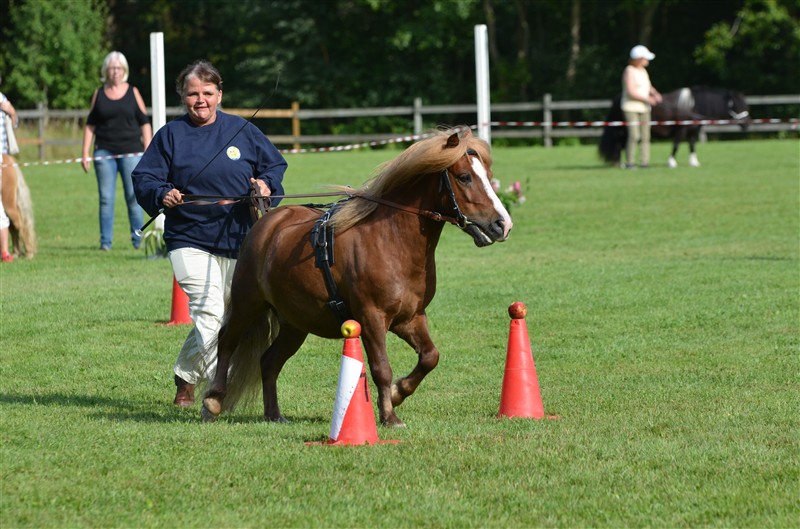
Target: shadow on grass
column 117, row 409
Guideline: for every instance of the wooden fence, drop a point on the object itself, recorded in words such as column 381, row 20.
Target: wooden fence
column 543, row 111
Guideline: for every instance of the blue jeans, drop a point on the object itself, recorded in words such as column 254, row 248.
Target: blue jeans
column 106, row 171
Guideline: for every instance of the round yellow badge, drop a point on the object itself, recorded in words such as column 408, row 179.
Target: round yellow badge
column 233, row 153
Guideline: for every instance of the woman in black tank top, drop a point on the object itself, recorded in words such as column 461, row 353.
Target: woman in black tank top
column 121, row 131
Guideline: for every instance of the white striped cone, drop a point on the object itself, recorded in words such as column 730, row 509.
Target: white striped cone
column 353, row 418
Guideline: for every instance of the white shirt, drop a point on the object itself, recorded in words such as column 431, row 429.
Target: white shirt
column 635, row 102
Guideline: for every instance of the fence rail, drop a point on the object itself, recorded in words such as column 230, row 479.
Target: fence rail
column 416, row 113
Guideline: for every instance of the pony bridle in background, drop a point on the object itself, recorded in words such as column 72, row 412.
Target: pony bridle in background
column 735, row 115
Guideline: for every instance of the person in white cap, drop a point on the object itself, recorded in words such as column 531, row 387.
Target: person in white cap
column 638, row 95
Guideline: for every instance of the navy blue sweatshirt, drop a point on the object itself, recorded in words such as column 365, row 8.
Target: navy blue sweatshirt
column 177, row 158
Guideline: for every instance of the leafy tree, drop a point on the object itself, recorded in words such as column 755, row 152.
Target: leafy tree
column 363, row 53
column 760, row 49
column 55, row 51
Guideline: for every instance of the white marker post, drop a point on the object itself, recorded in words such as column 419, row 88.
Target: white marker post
column 158, row 95
column 157, row 80
column 482, row 82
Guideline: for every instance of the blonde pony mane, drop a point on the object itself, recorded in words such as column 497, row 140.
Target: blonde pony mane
column 429, row 156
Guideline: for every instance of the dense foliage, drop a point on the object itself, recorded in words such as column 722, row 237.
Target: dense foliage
column 360, row 53
column 53, row 52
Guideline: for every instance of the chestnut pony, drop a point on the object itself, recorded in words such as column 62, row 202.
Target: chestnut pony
column 383, row 267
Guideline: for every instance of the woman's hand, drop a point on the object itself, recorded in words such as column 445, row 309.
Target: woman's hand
column 172, row 198
column 263, row 188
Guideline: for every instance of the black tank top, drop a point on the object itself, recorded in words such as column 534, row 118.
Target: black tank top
column 117, row 123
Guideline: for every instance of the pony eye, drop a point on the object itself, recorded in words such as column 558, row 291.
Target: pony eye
column 464, row 178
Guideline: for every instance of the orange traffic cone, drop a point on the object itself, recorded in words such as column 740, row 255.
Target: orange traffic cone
column 520, row 396
column 180, row 305
column 353, row 418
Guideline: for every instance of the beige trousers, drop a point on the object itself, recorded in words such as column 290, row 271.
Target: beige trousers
column 638, row 134
column 206, row 279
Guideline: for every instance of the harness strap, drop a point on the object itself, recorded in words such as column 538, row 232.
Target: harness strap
column 322, row 239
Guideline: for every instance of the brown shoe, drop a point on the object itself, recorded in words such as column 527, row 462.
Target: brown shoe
column 184, row 397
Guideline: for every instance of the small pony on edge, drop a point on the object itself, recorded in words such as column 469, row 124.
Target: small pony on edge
column 383, row 269
column 18, row 205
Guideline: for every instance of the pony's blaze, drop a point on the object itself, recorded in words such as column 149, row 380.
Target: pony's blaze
column 493, row 232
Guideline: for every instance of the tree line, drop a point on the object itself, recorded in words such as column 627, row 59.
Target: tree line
column 362, row 53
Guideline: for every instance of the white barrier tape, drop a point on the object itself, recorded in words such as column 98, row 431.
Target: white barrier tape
column 400, row 139
column 73, row 160
column 415, row 137
column 793, row 121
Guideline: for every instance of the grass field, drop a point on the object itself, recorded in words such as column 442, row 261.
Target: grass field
column 663, row 310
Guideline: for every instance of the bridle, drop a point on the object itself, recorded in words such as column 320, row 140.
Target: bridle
column 731, row 112
column 739, row 115
column 461, row 220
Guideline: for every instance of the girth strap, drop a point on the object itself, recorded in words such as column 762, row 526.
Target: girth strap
column 322, row 239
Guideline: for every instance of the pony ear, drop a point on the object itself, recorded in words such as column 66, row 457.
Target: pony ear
column 452, row 141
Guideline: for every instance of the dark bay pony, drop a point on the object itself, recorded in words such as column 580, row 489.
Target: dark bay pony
column 18, row 206
column 696, row 103
column 383, row 267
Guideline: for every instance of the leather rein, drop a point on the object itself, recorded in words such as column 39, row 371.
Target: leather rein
column 459, row 219
column 263, row 203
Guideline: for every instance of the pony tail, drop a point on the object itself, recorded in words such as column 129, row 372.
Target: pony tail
column 16, row 198
column 244, row 374
column 27, row 234
column 613, row 140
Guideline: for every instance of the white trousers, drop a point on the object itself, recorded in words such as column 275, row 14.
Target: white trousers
column 206, row 279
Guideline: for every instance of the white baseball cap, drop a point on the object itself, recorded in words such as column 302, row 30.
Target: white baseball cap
column 641, row 52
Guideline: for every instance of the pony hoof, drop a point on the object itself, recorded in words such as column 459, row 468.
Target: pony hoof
column 393, row 422
column 206, row 415
column 672, row 164
column 214, row 406
column 211, row 409
column 279, row 419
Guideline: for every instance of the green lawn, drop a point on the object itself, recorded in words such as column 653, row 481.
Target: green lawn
column 663, row 312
